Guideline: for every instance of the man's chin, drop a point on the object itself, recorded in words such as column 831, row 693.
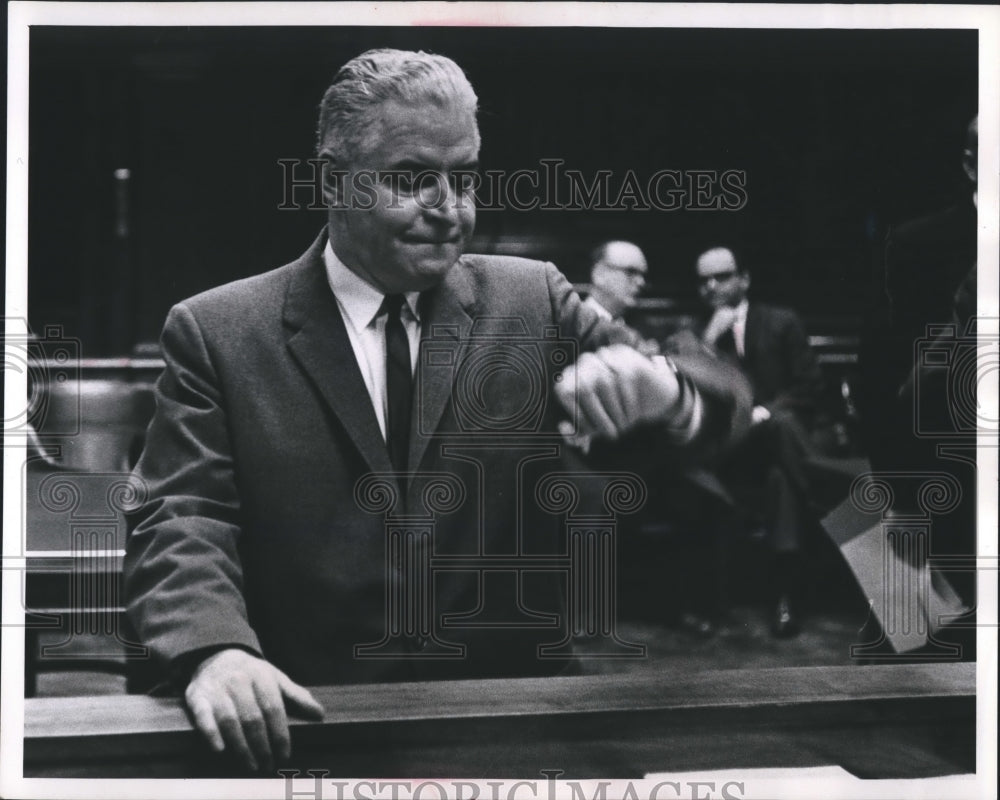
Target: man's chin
column 431, row 271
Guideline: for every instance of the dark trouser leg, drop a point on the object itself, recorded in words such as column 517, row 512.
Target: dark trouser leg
column 784, row 518
column 785, row 522
column 770, row 459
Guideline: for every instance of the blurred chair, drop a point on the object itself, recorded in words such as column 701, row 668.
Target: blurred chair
column 77, row 488
column 111, row 418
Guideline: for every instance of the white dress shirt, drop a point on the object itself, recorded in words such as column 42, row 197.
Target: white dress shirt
column 740, row 327
column 359, row 304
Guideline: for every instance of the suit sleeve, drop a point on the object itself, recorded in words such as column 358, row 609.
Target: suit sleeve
column 579, row 321
column 723, row 385
column 182, row 570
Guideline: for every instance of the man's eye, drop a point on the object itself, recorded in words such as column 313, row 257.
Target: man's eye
column 463, row 182
column 399, row 181
column 403, row 181
column 413, row 182
column 427, row 181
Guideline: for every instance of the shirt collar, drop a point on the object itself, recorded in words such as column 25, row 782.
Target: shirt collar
column 359, row 299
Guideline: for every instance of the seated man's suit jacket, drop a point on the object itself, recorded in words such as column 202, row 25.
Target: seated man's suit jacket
column 256, row 532
column 779, row 372
column 778, row 360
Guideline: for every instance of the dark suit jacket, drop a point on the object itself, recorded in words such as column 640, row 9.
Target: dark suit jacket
column 779, row 362
column 257, row 533
column 925, row 261
column 914, row 285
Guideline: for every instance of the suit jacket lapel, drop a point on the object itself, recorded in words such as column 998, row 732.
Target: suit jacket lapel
column 446, row 321
column 752, row 329
column 318, row 341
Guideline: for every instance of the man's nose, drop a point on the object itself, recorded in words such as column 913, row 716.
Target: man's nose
column 441, row 201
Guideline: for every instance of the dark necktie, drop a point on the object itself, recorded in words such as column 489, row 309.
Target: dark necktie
column 398, row 382
column 726, row 344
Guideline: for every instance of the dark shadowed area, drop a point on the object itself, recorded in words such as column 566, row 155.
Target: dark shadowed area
column 839, row 134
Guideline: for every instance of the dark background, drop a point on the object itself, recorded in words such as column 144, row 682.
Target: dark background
column 841, row 133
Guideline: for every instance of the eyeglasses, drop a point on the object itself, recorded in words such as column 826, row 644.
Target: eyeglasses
column 718, row 277
column 632, row 272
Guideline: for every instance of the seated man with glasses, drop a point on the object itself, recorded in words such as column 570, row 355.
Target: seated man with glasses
column 770, row 347
column 617, row 277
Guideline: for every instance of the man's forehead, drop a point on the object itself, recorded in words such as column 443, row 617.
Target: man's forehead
column 718, row 260
column 622, row 254
column 425, row 133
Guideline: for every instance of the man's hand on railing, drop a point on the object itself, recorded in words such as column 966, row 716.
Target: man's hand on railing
column 238, row 702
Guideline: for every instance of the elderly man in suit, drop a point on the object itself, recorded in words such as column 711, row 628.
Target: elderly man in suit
column 382, row 376
column 770, row 347
column 618, row 272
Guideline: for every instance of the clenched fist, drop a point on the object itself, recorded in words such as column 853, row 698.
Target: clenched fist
column 615, row 389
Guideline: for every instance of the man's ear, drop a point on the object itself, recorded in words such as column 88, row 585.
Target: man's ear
column 745, row 280
column 969, row 159
column 333, row 181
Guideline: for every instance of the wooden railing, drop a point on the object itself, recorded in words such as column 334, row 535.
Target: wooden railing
column 877, row 722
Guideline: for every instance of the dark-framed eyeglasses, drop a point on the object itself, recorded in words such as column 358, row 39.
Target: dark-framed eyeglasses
column 718, row 277
column 632, row 272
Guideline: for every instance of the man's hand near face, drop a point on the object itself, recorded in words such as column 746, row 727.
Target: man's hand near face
column 238, row 703
column 614, row 390
column 722, row 320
